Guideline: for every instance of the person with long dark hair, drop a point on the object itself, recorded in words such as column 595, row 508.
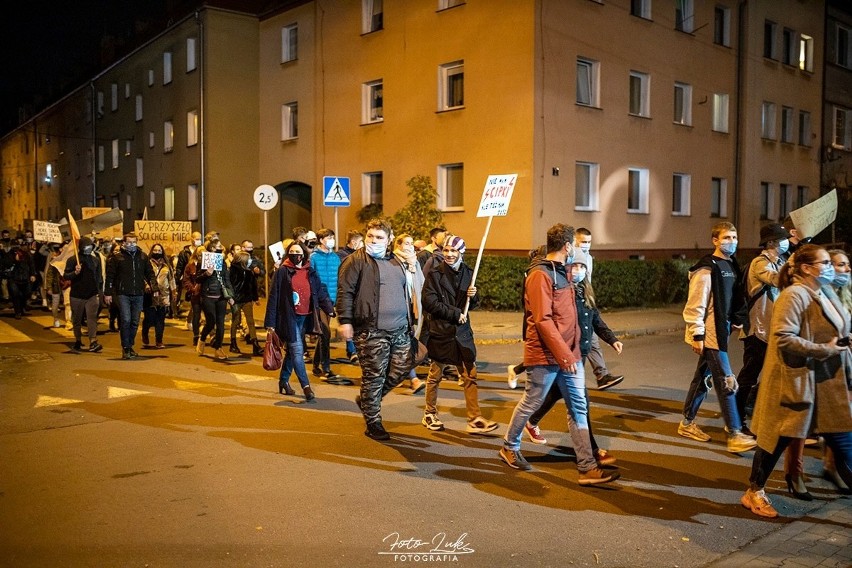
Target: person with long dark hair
column 216, row 296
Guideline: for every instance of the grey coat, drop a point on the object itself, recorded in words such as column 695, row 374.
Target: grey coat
column 804, row 380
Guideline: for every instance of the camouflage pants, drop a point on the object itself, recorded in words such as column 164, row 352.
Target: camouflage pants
column 385, row 358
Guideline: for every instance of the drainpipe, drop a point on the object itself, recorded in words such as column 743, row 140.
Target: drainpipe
column 203, row 180
column 95, row 147
column 741, row 59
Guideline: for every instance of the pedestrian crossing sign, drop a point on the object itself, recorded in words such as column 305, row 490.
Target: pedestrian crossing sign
column 335, row 191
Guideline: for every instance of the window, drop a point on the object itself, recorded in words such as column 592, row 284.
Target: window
column 451, row 85
column 115, row 154
column 718, row 197
column 788, row 47
column 767, row 203
column 192, row 128
column 151, row 139
column 371, row 188
column 587, row 184
column 289, row 43
column 785, row 200
column 372, row 102
column 639, row 94
column 801, row 196
column 372, row 16
column 192, row 202
column 150, row 77
column 140, row 176
column 684, row 16
column 842, row 131
column 637, row 190
column 683, row 103
column 767, row 121
column 128, row 201
column 168, row 136
column 843, row 47
column 128, row 147
column 190, row 54
column 640, row 8
column 588, row 77
column 138, row 108
column 804, row 128
column 786, row 124
column 722, row 26
column 115, row 202
column 168, row 203
column 681, row 184
column 444, row 4
column 806, row 53
column 770, row 47
column 720, row 112
column 289, row 121
column 114, row 97
column 127, row 90
column 152, row 199
column 167, row 67
column 100, row 109
column 451, row 187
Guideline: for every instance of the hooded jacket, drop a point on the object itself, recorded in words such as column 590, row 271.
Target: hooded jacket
column 551, row 329
column 706, row 318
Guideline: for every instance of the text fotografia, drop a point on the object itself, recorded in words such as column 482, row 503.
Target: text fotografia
column 439, row 548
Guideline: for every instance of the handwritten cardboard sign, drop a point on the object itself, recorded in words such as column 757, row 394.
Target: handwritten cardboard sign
column 173, row 235
column 115, row 231
column 46, row 232
column 497, row 195
column 811, row 219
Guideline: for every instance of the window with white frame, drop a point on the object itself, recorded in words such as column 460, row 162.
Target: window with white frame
column 718, row 197
column 767, row 120
column 842, row 129
column 290, row 121
column 152, row 199
column 128, row 201
column 371, row 188
column 588, row 78
column 788, row 47
column 640, row 8
column 786, row 124
column 722, row 25
column 684, row 16
column 444, row 4
column 804, row 128
column 115, row 153
column 192, row 128
column 151, row 140
column 767, row 201
column 128, row 147
column 168, row 203
column 785, row 200
column 842, row 46
column 190, row 54
column 451, row 85
column 640, row 91
column 801, row 196
column 637, row 190
column 138, row 108
column 720, row 112
column 372, row 102
column 168, row 136
column 372, row 16
column 150, row 77
column 100, row 105
column 681, row 184
column 140, row 173
column 770, row 43
column 683, row 103
column 451, row 187
column 127, row 90
column 114, row 97
column 586, row 186
column 167, row 67
column 806, row 53
column 192, row 202
column 115, row 201
column 289, row 43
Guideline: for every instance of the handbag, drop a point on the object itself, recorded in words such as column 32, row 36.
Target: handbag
column 272, row 356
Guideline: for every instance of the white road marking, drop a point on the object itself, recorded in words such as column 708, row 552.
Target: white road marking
column 8, row 334
column 53, row 401
column 116, row 392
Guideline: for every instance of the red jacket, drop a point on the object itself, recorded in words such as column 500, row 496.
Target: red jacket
column 552, row 331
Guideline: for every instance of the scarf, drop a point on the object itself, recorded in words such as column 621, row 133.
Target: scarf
column 407, row 259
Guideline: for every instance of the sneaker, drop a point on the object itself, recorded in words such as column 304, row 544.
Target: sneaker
column 95, row 347
column 220, row 355
column 57, row 323
column 692, row 431
column 515, row 459
column 44, row 305
column 739, row 442
column 748, row 432
column 534, row 432
column 417, row 386
column 608, row 381
column 145, row 341
column 317, row 372
column 126, row 354
column 376, row 431
column 199, row 347
column 353, row 358
column 513, row 378
column 160, row 346
column 758, row 503
column 603, row 457
column 77, row 346
column 309, row 394
column 597, row 476
column 481, row 426
column 133, row 354
column 432, row 423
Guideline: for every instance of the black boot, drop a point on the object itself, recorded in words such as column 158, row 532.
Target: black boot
column 256, row 349
column 234, row 348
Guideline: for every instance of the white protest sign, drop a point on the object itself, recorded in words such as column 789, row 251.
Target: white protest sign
column 115, row 231
column 811, row 219
column 173, row 235
column 277, row 252
column 497, row 195
column 46, row 232
column 214, row 260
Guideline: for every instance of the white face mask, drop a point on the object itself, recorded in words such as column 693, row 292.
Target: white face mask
column 329, row 243
column 376, row 250
column 586, row 247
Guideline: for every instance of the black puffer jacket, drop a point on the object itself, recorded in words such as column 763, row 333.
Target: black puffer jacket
column 444, row 298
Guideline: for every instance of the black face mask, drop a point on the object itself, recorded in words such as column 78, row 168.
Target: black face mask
column 157, row 255
column 295, row 259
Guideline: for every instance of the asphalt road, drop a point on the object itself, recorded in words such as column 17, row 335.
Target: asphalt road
column 177, row 460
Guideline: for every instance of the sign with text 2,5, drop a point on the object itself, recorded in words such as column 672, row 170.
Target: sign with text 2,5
column 497, row 195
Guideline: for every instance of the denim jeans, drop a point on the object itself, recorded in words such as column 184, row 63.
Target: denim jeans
column 573, row 388
column 764, row 461
column 129, row 309
column 713, row 363
column 294, row 355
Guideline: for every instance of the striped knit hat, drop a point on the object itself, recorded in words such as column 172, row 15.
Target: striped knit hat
column 455, row 242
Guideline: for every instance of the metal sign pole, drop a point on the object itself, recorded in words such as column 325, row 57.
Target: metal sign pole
column 266, row 254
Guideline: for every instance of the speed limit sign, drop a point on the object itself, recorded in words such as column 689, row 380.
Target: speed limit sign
column 265, row 197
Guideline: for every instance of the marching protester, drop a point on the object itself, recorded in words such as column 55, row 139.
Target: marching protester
column 127, row 273
column 404, row 252
column 244, row 283
column 87, row 284
column 327, row 264
column 158, row 296
column 216, row 294
column 55, row 285
column 257, row 267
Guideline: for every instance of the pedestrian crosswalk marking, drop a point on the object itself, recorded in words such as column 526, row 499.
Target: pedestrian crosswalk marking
column 44, row 400
column 8, row 334
column 47, row 321
column 249, row 378
column 189, row 385
column 116, row 392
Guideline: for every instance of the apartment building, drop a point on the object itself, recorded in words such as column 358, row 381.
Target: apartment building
column 837, row 113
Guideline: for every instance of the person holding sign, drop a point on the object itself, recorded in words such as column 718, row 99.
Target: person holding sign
column 87, row 283
column 216, row 296
column 127, row 273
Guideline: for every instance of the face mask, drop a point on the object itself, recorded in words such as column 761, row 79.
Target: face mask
column 728, row 248
column 295, row 259
column 29, row 239
column 842, row 279
column 86, row 250
column 578, row 276
column 197, row 242
column 248, row 250
column 329, row 243
column 783, row 246
column 826, row 274
column 376, row 250
column 586, row 247
column 156, row 255
column 130, row 247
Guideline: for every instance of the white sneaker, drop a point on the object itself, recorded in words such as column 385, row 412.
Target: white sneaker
column 69, row 326
column 44, row 303
column 513, row 378
column 56, row 323
column 739, row 442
